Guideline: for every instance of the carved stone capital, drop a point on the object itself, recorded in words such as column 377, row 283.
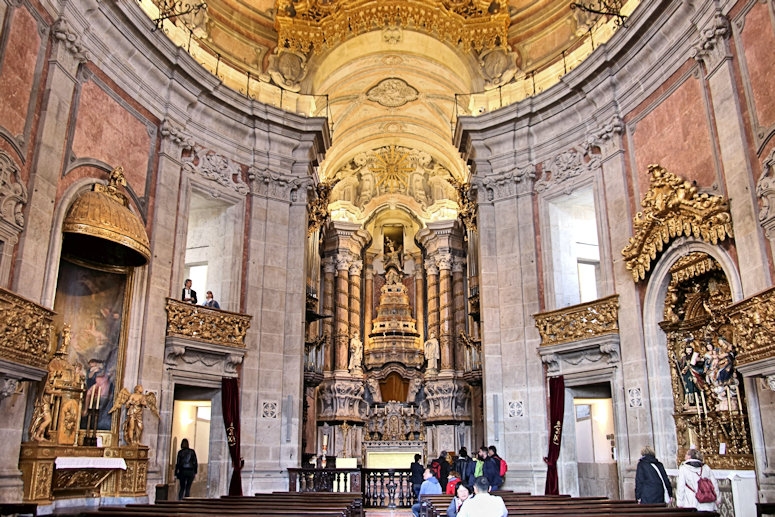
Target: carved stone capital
column 176, row 136
column 266, row 183
column 711, row 47
column 356, row 267
column 446, row 400
column 431, row 267
column 216, row 167
column 765, row 191
column 342, row 399
column 507, row 184
column 343, row 262
column 444, row 261
column 70, row 40
column 607, row 137
column 8, row 386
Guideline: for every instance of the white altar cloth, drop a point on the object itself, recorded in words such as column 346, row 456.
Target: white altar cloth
column 85, row 462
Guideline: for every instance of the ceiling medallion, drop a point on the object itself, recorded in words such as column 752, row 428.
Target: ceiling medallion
column 317, row 25
column 392, row 93
column 392, row 168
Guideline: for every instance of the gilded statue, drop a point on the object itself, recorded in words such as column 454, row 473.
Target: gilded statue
column 135, row 403
column 41, row 418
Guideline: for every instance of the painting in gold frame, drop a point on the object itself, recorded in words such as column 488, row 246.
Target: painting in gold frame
column 93, row 300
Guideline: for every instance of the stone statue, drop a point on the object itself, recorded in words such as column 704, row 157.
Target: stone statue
column 356, row 353
column 392, row 255
column 135, row 403
column 376, row 393
column 432, row 352
column 415, row 385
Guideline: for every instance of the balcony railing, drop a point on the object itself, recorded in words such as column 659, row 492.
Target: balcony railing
column 587, row 320
column 205, row 324
column 381, row 488
column 26, row 331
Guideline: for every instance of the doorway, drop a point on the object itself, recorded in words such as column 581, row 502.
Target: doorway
column 191, row 419
column 596, row 452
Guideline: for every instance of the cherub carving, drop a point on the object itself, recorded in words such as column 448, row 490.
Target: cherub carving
column 135, row 403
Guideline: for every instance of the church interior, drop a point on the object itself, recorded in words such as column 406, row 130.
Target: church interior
column 332, row 234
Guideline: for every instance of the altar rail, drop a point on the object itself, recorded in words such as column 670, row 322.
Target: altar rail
column 381, row 488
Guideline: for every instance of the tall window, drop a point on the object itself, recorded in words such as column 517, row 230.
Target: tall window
column 213, row 248
column 575, row 252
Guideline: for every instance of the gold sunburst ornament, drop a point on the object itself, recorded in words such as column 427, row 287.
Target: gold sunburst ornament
column 392, row 167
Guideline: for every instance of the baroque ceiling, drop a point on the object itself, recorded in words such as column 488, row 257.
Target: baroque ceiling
column 391, row 76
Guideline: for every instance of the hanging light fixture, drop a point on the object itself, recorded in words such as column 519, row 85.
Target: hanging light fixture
column 603, row 7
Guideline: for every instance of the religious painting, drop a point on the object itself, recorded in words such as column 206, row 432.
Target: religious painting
column 92, row 299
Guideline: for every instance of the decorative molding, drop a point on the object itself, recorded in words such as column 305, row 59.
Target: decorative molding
column 8, row 386
column 64, row 33
column 582, row 355
column 269, row 409
column 393, row 423
column 516, row 409
column 710, row 47
column 13, row 193
column 217, row 168
column 567, row 165
column 578, row 322
column 287, row 68
column 176, row 135
column 634, row 397
column 276, row 185
column 342, row 399
column 672, row 207
column 392, row 93
column 765, row 191
column 317, row 25
column 607, row 136
column 446, row 400
column 497, row 66
column 208, row 325
column 202, row 358
column 504, row 185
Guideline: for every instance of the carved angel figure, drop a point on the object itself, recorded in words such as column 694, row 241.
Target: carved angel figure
column 41, row 418
column 135, row 403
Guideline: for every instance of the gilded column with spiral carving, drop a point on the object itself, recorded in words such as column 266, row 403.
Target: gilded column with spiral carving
column 444, row 261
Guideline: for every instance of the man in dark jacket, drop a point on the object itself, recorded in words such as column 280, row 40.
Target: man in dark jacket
column 491, row 469
column 416, row 477
column 464, row 465
column 651, row 482
column 445, row 466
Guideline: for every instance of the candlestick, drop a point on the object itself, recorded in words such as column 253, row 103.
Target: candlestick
column 704, row 407
column 99, row 395
column 325, row 441
column 91, row 399
column 729, row 403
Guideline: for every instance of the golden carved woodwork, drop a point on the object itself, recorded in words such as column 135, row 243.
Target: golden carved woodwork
column 466, row 200
column 104, row 229
column 673, row 208
column 586, row 320
column 43, row 482
column 753, row 320
column 205, row 324
column 392, row 168
column 696, row 302
column 317, row 25
column 26, row 330
column 317, row 207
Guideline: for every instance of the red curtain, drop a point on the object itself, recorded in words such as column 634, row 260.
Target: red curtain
column 556, row 412
column 230, row 402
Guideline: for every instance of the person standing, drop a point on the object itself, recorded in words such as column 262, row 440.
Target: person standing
column 492, row 452
column 464, row 465
column 185, row 468
column 417, row 475
column 651, row 482
column 210, row 301
column 483, row 504
column 188, row 295
column 691, row 471
column 491, row 469
column 430, row 486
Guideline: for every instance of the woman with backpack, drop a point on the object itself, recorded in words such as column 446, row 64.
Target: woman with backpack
column 696, row 485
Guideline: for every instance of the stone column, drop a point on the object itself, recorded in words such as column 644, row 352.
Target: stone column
column 712, row 50
column 355, row 296
column 342, row 314
column 458, row 311
column 329, row 268
column 67, row 54
column 444, row 262
column 432, row 276
column 419, row 300
column 368, row 302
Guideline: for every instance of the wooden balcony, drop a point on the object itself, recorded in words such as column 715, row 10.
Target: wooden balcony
column 579, row 322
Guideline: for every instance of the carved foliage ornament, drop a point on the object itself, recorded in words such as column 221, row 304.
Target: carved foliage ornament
column 13, row 193
column 673, row 208
column 217, row 168
column 594, row 319
column 317, row 207
column 392, row 93
column 322, row 24
column 753, row 320
column 204, row 324
column 26, row 330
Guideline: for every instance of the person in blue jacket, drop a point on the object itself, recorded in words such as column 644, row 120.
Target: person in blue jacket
column 430, row 486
